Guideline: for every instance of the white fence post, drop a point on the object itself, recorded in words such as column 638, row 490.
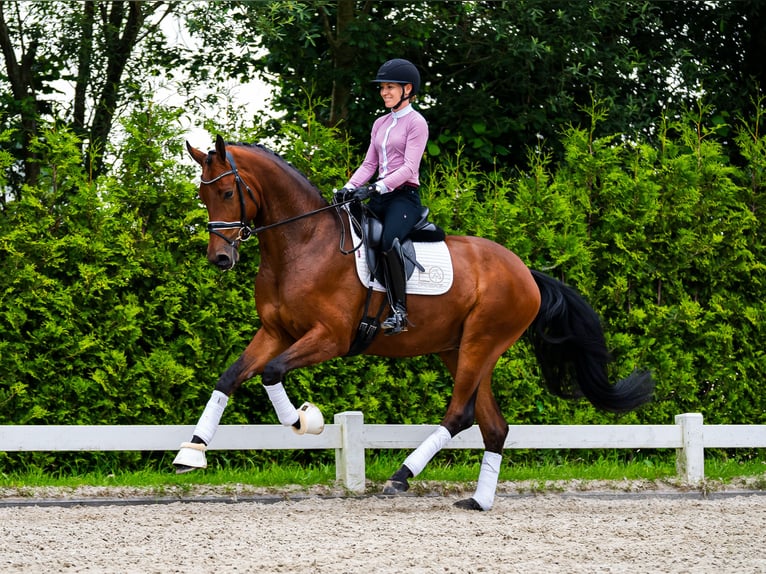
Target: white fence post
column 690, row 458
column 349, row 458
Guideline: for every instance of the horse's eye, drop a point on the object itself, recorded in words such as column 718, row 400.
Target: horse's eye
column 228, row 194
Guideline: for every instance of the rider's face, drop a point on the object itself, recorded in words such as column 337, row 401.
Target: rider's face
column 392, row 93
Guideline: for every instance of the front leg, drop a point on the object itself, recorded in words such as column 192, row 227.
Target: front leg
column 192, row 454
column 306, row 419
column 314, row 347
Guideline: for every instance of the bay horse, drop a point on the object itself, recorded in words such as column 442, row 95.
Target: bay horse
column 310, row 303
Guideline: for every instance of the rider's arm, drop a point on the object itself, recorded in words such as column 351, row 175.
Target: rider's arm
column 369, row 166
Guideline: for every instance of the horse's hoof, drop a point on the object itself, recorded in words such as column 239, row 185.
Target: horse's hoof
column 395, row 487
column 190, row 457
column 312, row 421
column 468, row 504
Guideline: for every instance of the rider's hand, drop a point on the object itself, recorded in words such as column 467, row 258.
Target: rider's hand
column 360, row 193
column 341, row 195
column 365, row 191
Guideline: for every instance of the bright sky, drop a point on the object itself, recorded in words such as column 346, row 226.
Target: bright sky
column 255, row 94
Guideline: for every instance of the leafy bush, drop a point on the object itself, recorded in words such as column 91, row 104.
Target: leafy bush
column 110, row 313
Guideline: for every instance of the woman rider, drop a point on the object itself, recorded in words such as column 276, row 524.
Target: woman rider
column 397, row 143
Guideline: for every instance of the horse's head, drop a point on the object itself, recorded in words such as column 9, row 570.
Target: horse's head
column 230, row 203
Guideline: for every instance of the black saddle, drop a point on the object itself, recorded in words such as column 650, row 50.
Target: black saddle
column 370, row 228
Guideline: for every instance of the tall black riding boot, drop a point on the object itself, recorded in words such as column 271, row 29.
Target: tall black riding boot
column 396, row 284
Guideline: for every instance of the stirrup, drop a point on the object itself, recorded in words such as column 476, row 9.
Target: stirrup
column 396, row 323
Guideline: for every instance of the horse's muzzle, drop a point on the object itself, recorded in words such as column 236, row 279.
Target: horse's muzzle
column 225, row 259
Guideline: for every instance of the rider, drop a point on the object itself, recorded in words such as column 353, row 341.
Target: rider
column 397, row 142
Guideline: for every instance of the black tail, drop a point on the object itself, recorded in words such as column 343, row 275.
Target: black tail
column 569, row 344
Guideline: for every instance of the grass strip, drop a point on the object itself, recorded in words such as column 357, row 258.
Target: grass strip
column 378, row 468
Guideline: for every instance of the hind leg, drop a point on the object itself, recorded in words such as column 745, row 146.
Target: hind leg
column 494, row 430
column 417, row 460
column 459, row 416
column 467, row 401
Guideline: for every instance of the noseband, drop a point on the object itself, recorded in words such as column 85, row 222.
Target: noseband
column 245, row 231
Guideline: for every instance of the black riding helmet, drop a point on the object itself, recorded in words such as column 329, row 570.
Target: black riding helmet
column 399, row 71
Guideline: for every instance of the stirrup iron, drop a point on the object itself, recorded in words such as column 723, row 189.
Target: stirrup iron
column 397, row 322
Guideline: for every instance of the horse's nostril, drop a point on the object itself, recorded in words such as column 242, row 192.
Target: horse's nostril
column 223, row 261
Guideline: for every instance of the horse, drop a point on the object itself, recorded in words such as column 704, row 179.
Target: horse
column 310, row 302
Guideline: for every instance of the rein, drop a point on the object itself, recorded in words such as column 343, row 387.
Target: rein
column 245, row 231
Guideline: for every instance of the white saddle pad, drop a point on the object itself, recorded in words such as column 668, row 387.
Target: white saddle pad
column 433, row 256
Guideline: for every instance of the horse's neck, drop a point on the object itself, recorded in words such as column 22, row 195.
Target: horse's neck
column 281, row 203
column 298, row 248
column 309, row 233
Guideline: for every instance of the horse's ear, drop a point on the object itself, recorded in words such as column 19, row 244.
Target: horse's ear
column 220, row 147
column 197, row 155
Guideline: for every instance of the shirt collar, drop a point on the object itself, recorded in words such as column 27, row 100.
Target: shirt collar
column 402, row 113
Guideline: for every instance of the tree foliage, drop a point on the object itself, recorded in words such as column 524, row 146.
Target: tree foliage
column 78, row 64
column 498, row 75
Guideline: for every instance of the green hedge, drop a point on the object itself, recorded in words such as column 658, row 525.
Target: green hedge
column 110, row 313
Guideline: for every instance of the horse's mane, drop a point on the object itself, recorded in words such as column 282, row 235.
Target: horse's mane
column 278, row 158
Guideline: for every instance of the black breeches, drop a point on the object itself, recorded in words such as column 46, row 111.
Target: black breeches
column 399, row 210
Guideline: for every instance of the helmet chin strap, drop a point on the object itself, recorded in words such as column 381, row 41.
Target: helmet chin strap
column 401, row 100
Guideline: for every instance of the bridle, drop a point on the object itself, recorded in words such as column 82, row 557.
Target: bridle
column 245, row 232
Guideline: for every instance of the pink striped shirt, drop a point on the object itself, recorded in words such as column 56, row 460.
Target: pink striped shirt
column 397, row 143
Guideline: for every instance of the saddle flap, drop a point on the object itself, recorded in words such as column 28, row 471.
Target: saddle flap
column 376, row 267
column 372, row 240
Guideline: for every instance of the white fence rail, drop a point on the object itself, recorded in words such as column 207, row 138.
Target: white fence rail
column 350, row 437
